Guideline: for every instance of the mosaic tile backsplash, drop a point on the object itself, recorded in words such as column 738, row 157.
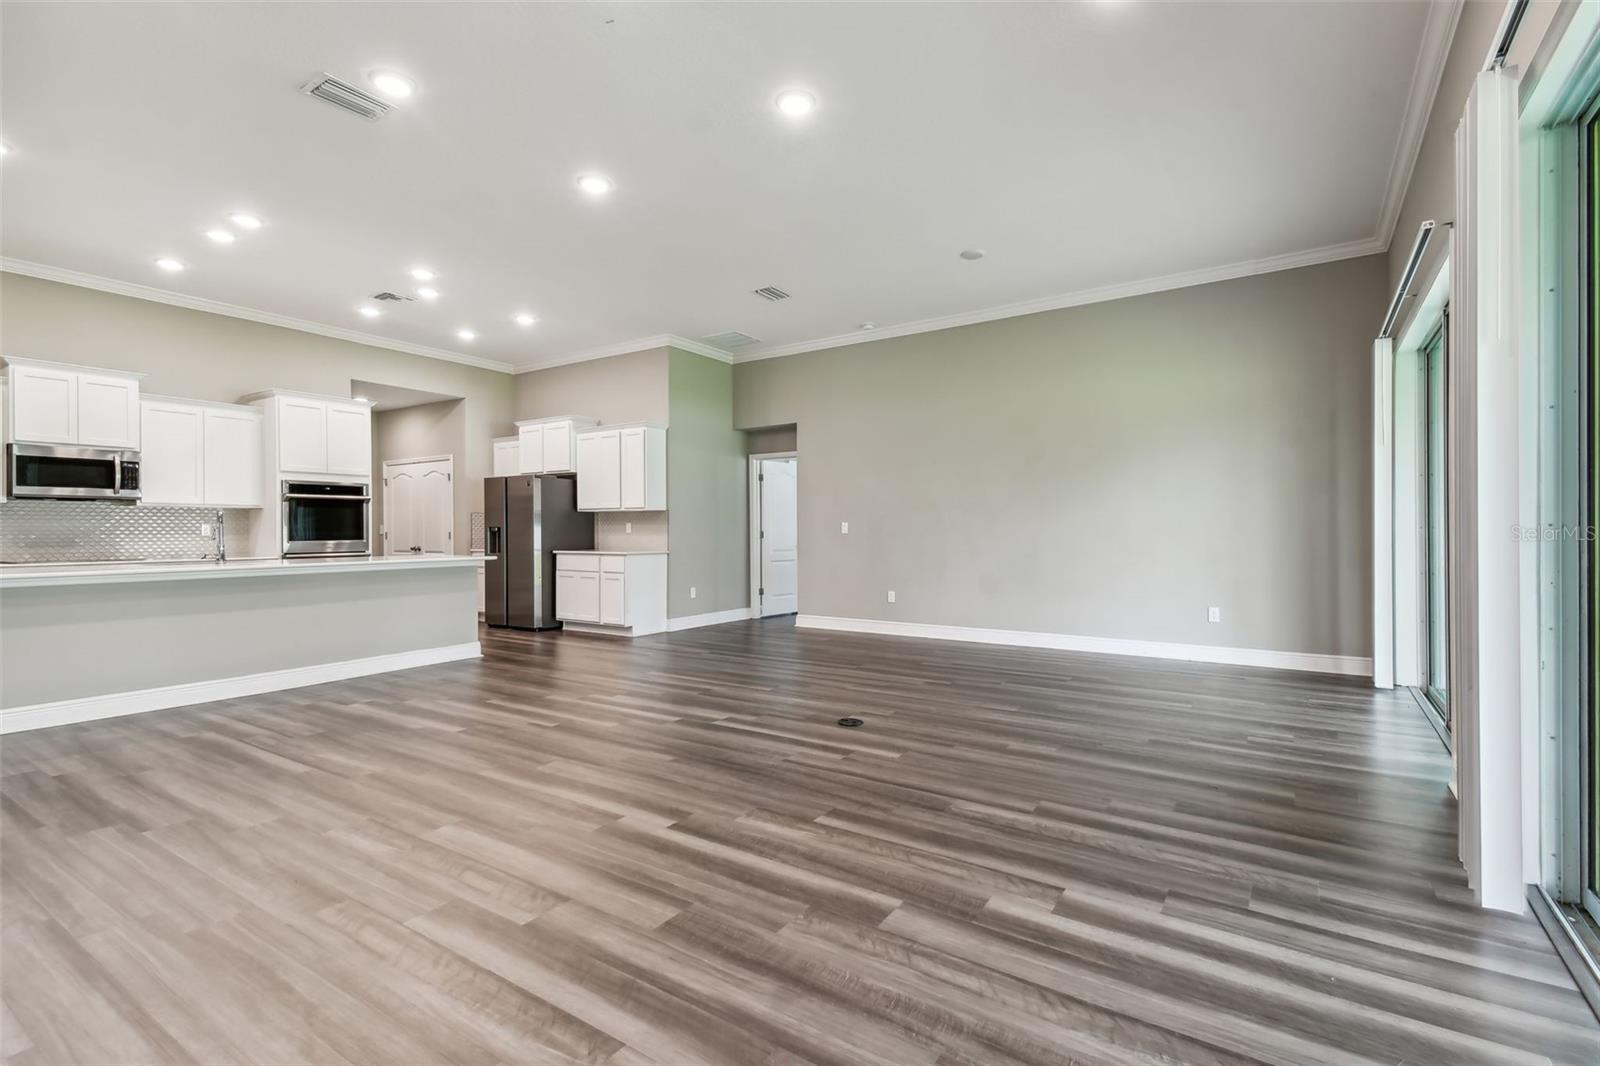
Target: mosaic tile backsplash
column 81, row 531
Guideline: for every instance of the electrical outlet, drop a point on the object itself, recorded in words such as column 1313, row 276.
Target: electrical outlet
column 205, row 529
column 693, row 592
column 844, row 527
column 627, row 527
column 1213, row 614
column 891, row 595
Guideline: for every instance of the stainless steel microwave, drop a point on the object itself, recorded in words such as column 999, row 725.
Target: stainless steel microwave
column 326, row 518
column 71, row 472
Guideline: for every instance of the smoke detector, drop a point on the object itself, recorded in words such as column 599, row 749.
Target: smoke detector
column 342, row 94
column 771, row 292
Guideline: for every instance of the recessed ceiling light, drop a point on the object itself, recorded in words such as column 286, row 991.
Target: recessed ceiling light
column 423, row 274
column 595, row 184
column 796, row 103
column 245, row 220
column 524, row 319
column 972, row 253
column 221, row 236
column 368, row 312
column 169, row 264
column 868, row 325
column 392, row 84
column 360, row 399
column 466, row 334
column 427, row 292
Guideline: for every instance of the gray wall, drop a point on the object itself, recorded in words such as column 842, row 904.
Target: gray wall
column 1109, row 470
column 706, row 490
column 623, row 388
column 770, row 439
column 425, row 431
column 213, row 357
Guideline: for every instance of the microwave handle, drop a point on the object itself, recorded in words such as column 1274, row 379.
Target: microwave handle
column 116, row 473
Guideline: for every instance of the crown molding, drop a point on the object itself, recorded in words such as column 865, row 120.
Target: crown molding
column 1291, row 261
column 215, row 307
column 1437, row 33
column 641, row 344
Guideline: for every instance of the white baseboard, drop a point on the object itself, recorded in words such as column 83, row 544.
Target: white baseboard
column 114, row 705
column 1351, row 665
column 715, row 618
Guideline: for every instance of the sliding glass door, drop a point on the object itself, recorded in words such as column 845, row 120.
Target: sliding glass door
column 1436, row 677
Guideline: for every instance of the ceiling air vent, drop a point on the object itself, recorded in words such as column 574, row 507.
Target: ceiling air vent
column 771, row 292
column 730, row 341
column 396, row 297
column 342, row 94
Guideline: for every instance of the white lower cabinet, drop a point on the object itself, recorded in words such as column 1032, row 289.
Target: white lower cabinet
column 612, row 592
column 200, row 453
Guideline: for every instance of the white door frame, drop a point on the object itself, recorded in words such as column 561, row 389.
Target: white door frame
column 387, row 463
column 754, row 536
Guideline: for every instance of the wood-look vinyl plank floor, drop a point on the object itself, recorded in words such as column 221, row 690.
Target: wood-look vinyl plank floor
column 581, row 850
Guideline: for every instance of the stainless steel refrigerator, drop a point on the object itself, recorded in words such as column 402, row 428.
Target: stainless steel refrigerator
column 527, row 519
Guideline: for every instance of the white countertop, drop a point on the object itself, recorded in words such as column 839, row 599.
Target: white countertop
column 589, row 551
column 35, row 575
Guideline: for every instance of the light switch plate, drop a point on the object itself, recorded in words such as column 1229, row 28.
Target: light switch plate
column 844, row 527
column 627, row 527
column 692, row 592
column 891, row 595
column 1213, row 614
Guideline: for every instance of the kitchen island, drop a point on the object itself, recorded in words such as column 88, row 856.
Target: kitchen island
column 81, row 641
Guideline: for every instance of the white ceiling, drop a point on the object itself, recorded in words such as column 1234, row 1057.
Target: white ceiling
column 1082, row 146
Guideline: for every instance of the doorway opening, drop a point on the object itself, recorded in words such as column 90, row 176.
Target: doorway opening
column 774, row 534
column 418, row 506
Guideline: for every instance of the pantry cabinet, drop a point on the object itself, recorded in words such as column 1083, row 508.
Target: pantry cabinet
column 622, row 468
column 54, row 403
column 200, row 453
column 548, row 445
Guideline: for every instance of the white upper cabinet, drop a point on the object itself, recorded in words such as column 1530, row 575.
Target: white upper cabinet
column 108, row 410
column 548, row 445
column 51, row 403
column 507, row 456
column 316, row 435
column 200, row 453
column 600, row 470
column 172, row 461
column 349, row 438
column 622, row 468
column 302, row 435
column 232, row 446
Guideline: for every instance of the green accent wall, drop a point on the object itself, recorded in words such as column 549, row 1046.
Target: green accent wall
column 706, row 489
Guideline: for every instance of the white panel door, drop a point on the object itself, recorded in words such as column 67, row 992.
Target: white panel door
column 45, row 405
column 172, row 459
column 780, row 546
column 613, row 603
column 350, row 439
column 418, row 506
column 530, row 444
column 599, row 472
column 507, row 457
column 233, row 470
column 302, row 436
column 108, row 411
column 631, row 468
